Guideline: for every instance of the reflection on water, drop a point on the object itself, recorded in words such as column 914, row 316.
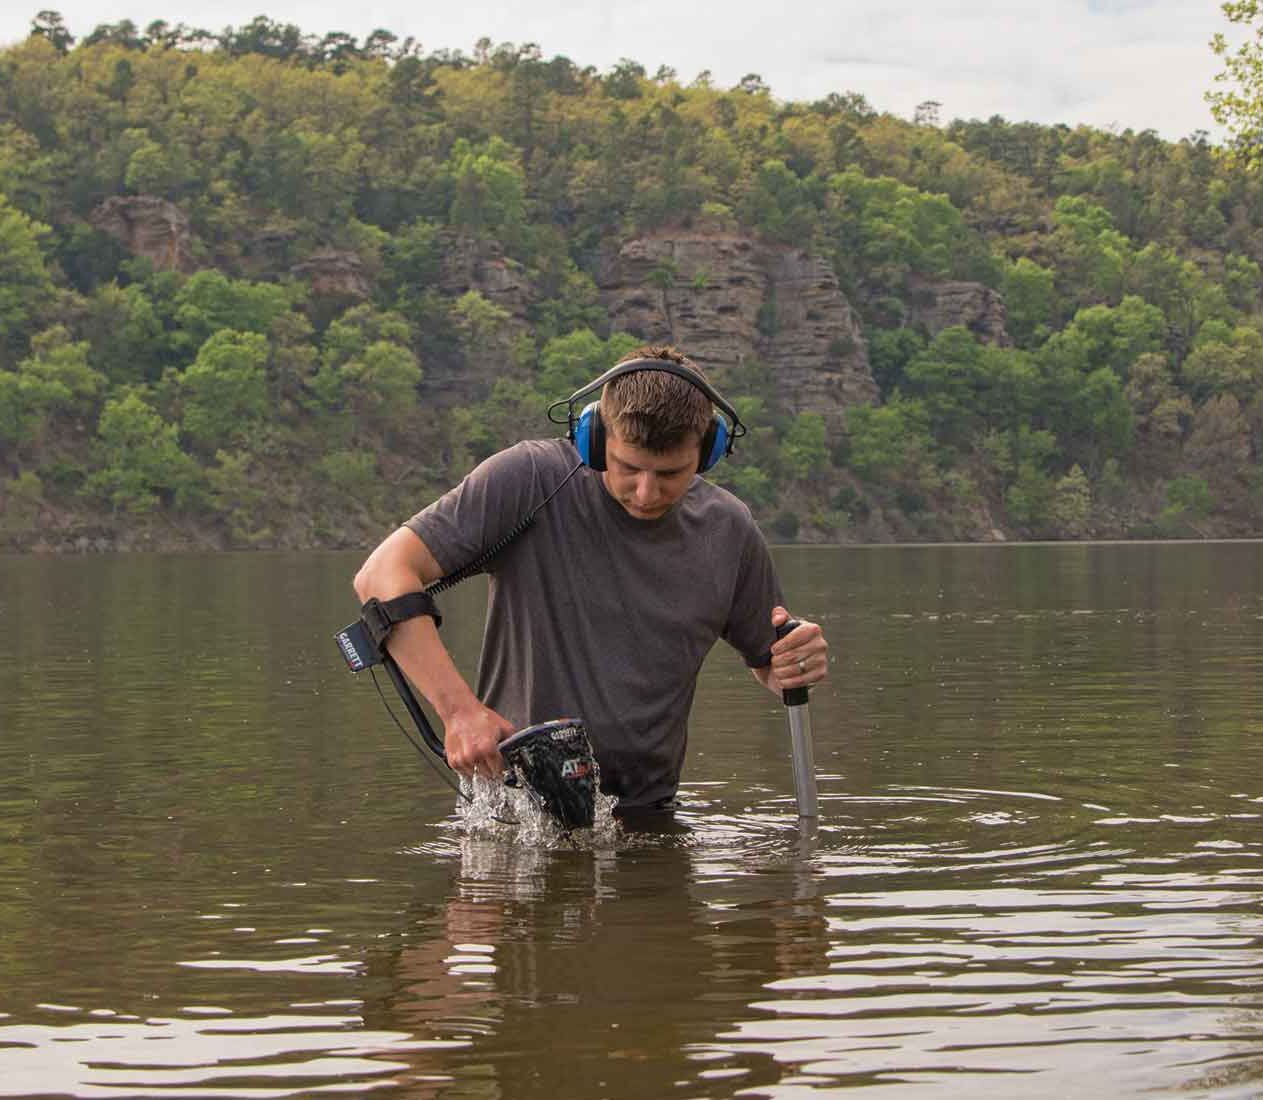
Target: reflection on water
column 1037, row 869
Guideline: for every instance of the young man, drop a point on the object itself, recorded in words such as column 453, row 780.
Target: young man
column 607, row 606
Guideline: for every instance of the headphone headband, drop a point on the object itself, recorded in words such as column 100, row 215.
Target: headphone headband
column 587, row 431
column 668, row 366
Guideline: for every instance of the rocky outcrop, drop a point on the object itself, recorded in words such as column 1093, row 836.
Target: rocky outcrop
column 335, row 274
column 728, row 299
column 465, row 376
column 150, row 227
column 468, row 263
column 936, row 306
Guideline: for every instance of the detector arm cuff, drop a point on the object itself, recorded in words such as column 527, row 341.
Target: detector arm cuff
column 363, row 643
column 381, row 616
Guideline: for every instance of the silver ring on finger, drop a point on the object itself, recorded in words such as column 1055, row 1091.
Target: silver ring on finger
column 802, row 666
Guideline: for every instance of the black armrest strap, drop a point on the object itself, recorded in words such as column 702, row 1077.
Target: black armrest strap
column 380, row 616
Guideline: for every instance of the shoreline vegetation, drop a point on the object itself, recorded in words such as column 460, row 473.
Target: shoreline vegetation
column 267, row 289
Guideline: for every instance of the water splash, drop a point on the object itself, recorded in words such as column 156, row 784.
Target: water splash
column 490, row 810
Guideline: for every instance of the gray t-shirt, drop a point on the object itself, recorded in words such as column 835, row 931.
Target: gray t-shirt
column 596, row 614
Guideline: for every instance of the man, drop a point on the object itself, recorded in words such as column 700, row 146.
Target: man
column 605, row 608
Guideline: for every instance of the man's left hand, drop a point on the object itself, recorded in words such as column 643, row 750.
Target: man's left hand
column 800, row 659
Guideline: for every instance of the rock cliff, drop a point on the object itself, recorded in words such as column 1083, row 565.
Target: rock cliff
column 471, row 264
column 335, row 274
column 936, row 306
column 465, row 264
column 728, row 299
column 150, row 227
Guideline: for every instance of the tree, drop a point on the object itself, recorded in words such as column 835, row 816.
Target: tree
column 1071, row 505
column 1162, row 413
column 779, row 204
column 927, row 113
column 966, row 387
column 1238, row 105
column 488, row 191
column 127, row 340
column 50, row 25
column 225, row 390
column 381, row 383
column 25, row 284
column 889, row 353
column 1030, row 301
column 1218, row 445
column 141, row 464
column 567, row 362
column 369, row 368
column 210, row 301
column 1231, row 365
column 804, row 451
column 882, row 231
column 54, row 379
column 891, row 443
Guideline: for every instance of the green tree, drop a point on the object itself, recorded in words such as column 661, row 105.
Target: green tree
column 484, row 327
column 966, row 386
column 1162, row 412
column 891, row 443
column 1237, row 105
column 481, row 430
column 780, row 205
column 1090, row 255
column 488, row 191
column 210, row 301
column 1188, row 501
column 25, row 284
column 882, row 231
column 141, row 464
column 1071, row 506
column 55, row 379
column 804, row 451
column 225, row 390
column 368, row 368
column 1030, row 299
column 50, row 25
column 568, row 362
column 889, row 353
column 1233, row 365
column 127, row 338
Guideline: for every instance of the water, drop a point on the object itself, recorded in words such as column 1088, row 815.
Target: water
column 1037, row 870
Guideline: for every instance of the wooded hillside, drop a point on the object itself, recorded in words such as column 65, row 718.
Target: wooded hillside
column 259, row 288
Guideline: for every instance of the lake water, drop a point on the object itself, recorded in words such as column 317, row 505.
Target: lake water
column 1036, row 872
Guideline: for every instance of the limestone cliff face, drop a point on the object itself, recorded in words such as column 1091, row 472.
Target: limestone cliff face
column 936, row 306
column 471, row 264
column 335, row 274
column 465, row 264
column 727, row 299
column 150, row 227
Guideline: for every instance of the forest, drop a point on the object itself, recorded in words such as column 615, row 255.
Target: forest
column 261, row 288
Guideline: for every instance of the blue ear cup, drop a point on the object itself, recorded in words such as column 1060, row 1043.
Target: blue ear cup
column 589, row 437
column 717, row 438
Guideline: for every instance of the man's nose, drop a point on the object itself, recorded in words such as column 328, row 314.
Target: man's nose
column 646, row 487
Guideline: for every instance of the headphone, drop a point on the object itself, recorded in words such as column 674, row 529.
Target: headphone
column 587, row 430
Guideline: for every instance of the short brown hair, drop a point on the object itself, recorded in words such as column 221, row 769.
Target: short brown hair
column 654, row 409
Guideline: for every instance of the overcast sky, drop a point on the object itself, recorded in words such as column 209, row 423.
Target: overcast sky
column 1139, row 64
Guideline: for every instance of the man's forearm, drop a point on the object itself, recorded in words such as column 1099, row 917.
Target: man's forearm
column 402, row 564
column 417, row 648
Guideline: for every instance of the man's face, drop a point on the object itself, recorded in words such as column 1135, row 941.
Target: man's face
column 648, row 483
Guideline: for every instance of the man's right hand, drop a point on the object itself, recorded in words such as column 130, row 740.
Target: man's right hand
column 471, row 739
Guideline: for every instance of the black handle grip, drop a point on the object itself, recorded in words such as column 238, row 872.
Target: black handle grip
column 791, row 697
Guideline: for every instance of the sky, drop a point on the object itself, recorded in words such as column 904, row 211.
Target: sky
column 1119, row 64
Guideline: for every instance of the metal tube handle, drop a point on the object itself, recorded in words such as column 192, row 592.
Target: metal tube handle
column 800, row 748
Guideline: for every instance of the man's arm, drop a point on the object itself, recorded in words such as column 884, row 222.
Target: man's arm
column 800, row 659
column 472, row 732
